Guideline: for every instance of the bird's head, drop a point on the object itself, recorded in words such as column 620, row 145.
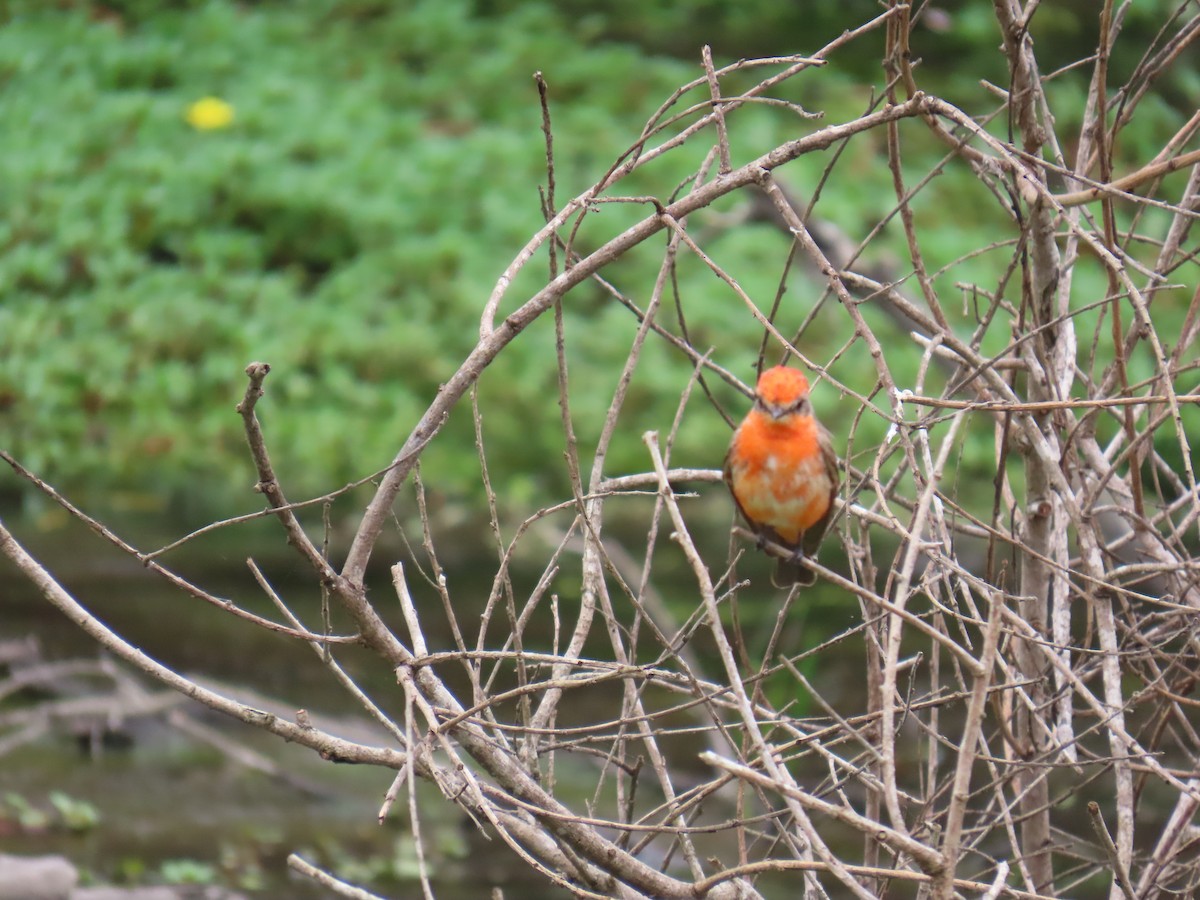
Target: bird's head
column 782, row 392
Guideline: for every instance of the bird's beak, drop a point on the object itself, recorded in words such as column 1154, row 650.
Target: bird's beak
column 776, row 412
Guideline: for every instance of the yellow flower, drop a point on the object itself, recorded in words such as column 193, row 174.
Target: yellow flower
column 209, row 114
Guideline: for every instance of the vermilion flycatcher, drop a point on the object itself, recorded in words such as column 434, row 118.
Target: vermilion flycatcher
column 782, row 471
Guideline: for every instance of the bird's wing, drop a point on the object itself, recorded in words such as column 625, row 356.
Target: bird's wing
column 728, row 474
column 816, row 532
column 829, row 455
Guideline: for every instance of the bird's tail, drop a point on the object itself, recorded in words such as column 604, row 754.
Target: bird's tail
column 791, row 572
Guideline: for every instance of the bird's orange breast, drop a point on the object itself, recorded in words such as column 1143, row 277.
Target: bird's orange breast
column 778, row 475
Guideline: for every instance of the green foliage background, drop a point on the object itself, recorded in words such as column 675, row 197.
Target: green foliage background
column 382, row 169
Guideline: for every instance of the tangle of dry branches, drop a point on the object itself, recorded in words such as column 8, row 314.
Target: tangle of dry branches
column 1008, row 706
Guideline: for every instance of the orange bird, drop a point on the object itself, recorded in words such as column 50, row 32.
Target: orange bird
column 782, row 471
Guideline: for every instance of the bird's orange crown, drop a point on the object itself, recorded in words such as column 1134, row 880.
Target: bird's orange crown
column 781, row 386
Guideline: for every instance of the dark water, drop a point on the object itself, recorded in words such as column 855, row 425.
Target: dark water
column 164, row 797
